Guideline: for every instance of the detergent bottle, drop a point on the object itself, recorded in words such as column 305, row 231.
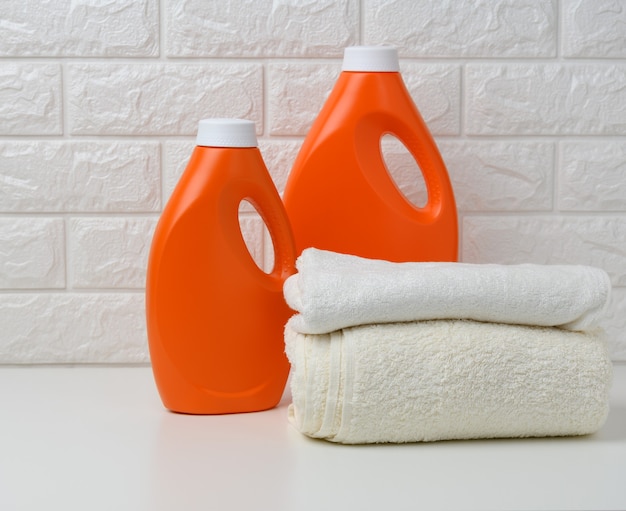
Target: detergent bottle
column 215, row 319
column 340, row 196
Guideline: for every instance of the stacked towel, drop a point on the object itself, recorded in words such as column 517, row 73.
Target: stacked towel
column 405, row 352
column 333, row 291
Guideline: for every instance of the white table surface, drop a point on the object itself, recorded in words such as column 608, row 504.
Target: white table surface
column 94, row 438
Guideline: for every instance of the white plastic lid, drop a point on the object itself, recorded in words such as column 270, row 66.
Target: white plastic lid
column 371, row 58
column 226, row 133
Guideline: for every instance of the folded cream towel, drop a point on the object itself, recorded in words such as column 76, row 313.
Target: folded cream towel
column 333, row 291
column 447, row 379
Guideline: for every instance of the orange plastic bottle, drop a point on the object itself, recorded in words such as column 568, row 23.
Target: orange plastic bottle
column 340, row 196
column 215, row 320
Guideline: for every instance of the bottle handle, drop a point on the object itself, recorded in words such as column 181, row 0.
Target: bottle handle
column 423, row 149
column 267, row 203
column 421, row 146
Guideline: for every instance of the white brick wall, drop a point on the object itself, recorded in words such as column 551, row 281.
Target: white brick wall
column 99, row 104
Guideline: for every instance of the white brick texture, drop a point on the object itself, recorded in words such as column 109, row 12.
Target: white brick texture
column 65, row 28
column 594, row 240
column 79, row 176
column 99, row 105
column 594, row 28
column 160, row 99
column 488, row 176
column 297, row 92
column 30, row 99
column 592, row 176
column 261, row 28
column 72, row 328
column 32, row 253
column 109, row 252
column 546, row 99
column 483, row 28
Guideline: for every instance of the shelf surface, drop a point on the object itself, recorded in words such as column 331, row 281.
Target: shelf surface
column 98, row 438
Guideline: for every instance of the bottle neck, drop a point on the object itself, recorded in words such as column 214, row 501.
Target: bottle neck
column 371, row 72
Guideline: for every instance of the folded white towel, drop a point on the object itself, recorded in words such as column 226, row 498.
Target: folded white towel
column 446, row 379
column 333, row 291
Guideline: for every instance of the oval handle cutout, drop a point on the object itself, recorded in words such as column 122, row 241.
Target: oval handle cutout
column 404, row 170
column 256, row 236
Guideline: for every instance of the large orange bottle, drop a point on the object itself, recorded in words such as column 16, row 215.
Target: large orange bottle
column 340, row 196
column 215, row 319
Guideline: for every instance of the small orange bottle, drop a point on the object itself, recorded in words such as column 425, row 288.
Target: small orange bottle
column 215, row 320
column 340, row 196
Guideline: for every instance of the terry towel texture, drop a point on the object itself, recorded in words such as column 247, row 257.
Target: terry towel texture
column 333, row 291
column 447, row 379
column 407, row 352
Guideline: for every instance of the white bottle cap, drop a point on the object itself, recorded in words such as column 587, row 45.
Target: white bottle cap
column 371, row 58
column 226, row 133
